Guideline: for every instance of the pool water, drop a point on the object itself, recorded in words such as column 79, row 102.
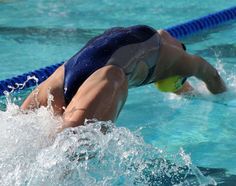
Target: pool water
column 159, row 138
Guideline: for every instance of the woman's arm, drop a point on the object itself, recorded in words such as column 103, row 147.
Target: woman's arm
column 198, row 67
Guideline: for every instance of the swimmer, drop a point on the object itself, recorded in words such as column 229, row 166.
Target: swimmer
column 94, row 82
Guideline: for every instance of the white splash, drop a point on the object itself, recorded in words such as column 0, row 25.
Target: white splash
column 98, row 153
column 19, row 86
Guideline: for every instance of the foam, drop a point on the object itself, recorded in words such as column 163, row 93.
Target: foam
column 33, row 153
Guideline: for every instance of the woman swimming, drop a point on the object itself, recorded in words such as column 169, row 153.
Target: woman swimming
column 94, row 82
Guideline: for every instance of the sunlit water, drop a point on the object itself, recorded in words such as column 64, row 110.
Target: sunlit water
column 159, row 139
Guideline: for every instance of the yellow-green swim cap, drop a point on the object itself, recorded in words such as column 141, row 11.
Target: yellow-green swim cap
column 171, row 84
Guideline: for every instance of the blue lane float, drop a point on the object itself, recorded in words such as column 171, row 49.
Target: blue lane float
column 41, row 74
column 202, row 23
column 178, row 31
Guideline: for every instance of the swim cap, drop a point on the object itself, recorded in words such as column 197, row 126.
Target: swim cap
column 171, row 84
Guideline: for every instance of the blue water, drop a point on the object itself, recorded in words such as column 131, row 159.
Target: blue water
column 37, row 34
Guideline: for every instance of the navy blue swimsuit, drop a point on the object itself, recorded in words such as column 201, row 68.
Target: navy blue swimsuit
column 96, row 53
